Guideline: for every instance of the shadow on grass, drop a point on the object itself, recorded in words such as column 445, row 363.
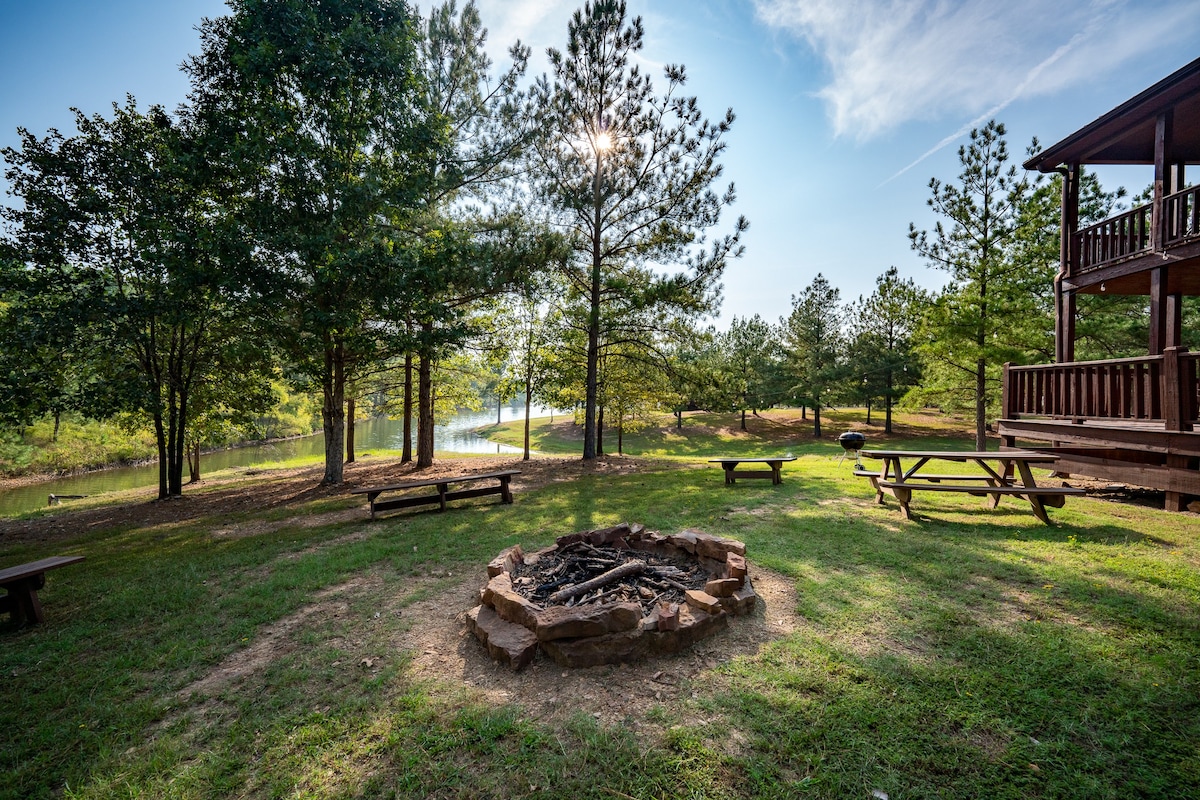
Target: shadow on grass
column 971, row 653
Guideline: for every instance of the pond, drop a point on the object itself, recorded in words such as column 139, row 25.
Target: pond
column 456, row 435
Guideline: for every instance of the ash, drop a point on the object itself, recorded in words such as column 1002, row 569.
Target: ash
column 658, row 579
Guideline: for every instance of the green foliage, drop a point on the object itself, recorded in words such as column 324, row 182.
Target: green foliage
column 883, row 363
column 753, row 361
column 317, row 110
column 997, row 305
column 814, row 343
column 127, row 290
column 79, row 444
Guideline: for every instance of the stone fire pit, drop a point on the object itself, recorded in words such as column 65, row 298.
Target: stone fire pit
column 610, row 595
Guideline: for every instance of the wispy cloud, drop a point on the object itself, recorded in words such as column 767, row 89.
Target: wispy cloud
column 894, row 61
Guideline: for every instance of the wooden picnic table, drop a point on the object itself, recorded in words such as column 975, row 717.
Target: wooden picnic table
column 442, row 494
column 774, row 473
column 23, row 582
column 1004, row 472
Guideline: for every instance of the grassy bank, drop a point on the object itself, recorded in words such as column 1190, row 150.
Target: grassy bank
column 261, row 638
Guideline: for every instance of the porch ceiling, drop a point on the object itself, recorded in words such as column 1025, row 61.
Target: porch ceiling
column 1125, row 135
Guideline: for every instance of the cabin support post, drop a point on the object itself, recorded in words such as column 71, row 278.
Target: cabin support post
column 1064, row 301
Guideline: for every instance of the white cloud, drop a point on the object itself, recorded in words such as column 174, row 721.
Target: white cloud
column 892, row 61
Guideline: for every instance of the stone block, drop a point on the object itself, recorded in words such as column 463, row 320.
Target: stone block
column 668, row 617
column 561, row 622
column 722, row 587
column 606, row 536
column 684, row 540
column 507, row 642
column 735, row 566
column 694, row 625
column 499, row 594
column 703, row 601
column 612, row 648
column 714, row 546
column 505, row 561
column 741, row 602
column 570, row 538
column 532, row 558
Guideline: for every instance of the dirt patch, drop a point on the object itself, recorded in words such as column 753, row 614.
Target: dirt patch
column 443, row 649
column 432, row 632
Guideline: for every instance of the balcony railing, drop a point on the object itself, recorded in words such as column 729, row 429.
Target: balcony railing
column 1129, row 234
column 1113, row 239
column 1161, row 389
column 1182, row 213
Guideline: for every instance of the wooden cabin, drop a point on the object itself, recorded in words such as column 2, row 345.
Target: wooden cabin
column 1129, row 420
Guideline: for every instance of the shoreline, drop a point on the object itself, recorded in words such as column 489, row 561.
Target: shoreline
column 22, row 481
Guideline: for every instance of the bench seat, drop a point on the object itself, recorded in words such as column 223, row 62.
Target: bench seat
column 22, row 583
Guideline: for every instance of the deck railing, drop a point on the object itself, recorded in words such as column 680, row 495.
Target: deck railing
column 1162, row 389
column 1113, row 239
column 1182, row 213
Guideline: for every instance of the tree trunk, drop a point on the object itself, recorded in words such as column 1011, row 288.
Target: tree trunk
column 887, row 418
column 194, row 463
column 621, row 435
column 333, row 410
column 350, row 430
column 816, row 420
column 590, row 434
column 57, row 418
column 528, row 399
column 160, row 441
column 679, row 418
column 743, row 419
column 499, row 407
column 980, row 405
column 600, row 431
column 406, row 452
column 868, row 411
column 425, row 402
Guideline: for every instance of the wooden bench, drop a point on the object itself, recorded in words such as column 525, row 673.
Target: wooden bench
column 23, row 582
column 774, row 473
column 443, row 493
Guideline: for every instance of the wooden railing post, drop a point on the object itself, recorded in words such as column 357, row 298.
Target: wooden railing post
column 1174, row 393
column 1007, row 395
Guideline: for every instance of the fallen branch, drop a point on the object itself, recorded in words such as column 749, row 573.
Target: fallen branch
column 626, row 569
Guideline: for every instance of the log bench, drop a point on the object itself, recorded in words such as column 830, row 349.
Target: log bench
column 23, row 582
column 442, row 493
column 731, row 473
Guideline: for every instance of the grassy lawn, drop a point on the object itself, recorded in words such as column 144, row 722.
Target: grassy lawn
column 266, row 650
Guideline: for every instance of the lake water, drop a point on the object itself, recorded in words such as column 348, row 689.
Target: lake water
column 456, row 435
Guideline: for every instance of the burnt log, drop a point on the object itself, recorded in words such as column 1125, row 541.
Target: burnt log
column 623, row 571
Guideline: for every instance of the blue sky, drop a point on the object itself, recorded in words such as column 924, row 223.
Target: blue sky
column 845, row 108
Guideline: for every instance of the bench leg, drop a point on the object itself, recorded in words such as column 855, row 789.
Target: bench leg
column 1039, row 509
column 505, row 492
column 776, row 477
column 729, row 473
column 442, row 496
column 23, row 603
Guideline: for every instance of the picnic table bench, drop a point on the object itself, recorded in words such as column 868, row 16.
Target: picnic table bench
column 442, row 494
column 731, row 473
column 1011, row 475
column 23, row 582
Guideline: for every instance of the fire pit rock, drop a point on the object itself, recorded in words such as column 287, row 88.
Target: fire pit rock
column 610, row 595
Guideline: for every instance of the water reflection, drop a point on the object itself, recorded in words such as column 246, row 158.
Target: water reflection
column 454, row 436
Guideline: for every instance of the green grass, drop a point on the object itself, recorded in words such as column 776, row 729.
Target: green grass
column 967, row 653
